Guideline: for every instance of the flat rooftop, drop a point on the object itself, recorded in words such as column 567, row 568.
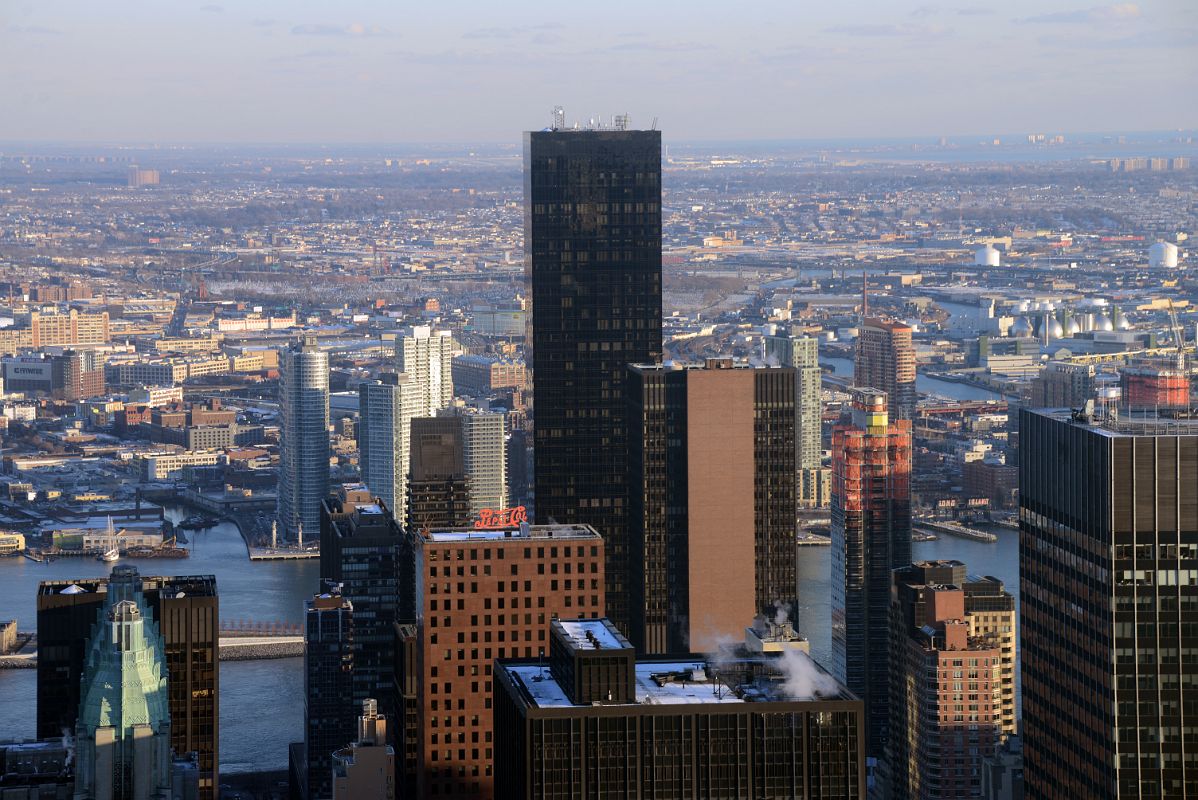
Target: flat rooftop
column 592, row 634
column 1122, row 422
column 694, row 682
column 170, row 586
column 522, row 533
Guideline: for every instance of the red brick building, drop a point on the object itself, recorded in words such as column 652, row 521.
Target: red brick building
column 480, row 595
column 953, row 675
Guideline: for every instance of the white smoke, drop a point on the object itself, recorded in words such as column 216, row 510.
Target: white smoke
column 68, row 743
column 805, row 680
column 782, row 615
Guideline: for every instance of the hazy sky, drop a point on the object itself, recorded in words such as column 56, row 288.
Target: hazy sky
column 469, row 70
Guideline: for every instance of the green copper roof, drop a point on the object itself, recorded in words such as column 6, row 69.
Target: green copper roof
column 124, row 680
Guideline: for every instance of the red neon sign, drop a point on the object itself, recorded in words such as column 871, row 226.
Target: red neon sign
column 501, row 518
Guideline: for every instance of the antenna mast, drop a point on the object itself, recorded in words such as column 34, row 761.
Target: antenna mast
column 1178, row 337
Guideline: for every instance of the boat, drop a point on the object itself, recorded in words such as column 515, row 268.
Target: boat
column 110, row 555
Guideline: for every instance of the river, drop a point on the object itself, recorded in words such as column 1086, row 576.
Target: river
column 1000, row 559
column 923, row 383
column 263, row 591
column 259, row 710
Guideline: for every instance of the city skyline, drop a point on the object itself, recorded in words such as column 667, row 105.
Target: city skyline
column 776, row 72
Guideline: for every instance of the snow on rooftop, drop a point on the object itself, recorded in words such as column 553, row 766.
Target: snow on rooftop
column 588, row 634
column 548, row 694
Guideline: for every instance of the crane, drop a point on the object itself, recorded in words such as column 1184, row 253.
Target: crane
column 1178, row 338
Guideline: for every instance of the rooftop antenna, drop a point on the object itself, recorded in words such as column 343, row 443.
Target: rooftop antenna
column 1179, row 338
column 620, row 122
column 653, row 127
column 559, row 118
column 864, row 293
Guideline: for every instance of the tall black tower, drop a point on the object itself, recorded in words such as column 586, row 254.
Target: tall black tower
column 592, row 234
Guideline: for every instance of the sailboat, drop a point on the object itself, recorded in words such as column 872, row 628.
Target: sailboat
column 113, row 553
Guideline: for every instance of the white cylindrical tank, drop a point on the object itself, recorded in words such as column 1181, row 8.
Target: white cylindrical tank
column 987, row 257
column 1162, row 254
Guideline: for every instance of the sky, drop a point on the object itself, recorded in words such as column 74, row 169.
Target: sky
column 400, row 71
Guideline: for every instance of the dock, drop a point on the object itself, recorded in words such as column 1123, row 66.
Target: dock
column 232, row 648
column 956, row 529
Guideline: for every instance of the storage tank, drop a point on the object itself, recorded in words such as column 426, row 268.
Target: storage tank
column 987, row 257
column 1162, row 255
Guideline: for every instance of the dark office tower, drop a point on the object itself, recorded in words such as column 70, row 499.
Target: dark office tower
column 1108, row 564
column 592, row 234
column 885, row 361
column 711, row 464
column 438, row 489
column 592, row 720
column 187, row 613
column 329, row 716
column 359, row 549
column 871, row 535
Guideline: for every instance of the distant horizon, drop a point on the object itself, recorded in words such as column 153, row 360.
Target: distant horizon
column 1009, row 138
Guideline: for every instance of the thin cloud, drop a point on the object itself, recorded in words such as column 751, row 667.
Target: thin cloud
column 354, row 29
column 34, row 30
column 656, row 47
column 976, row 11
column 511, row 32
column 212, row 8
column 311, row 55
column 1171, row 38
column 891, row 31
column 925, row 11
column 264, row 23
column 1120, row 12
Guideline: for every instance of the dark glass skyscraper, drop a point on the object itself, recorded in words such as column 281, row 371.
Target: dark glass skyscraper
column 360, row 545
column 328, row 683
column 1108, row 565
column 592, row 237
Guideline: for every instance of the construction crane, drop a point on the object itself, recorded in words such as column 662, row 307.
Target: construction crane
column 1178, row 338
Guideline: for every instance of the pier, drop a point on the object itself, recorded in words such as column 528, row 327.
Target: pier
column 955, row 529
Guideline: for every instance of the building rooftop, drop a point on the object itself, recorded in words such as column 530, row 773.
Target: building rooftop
column 795, row 677
column 1116, row 422
column 523, row 532
column 176, row 586
column 592, row 634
